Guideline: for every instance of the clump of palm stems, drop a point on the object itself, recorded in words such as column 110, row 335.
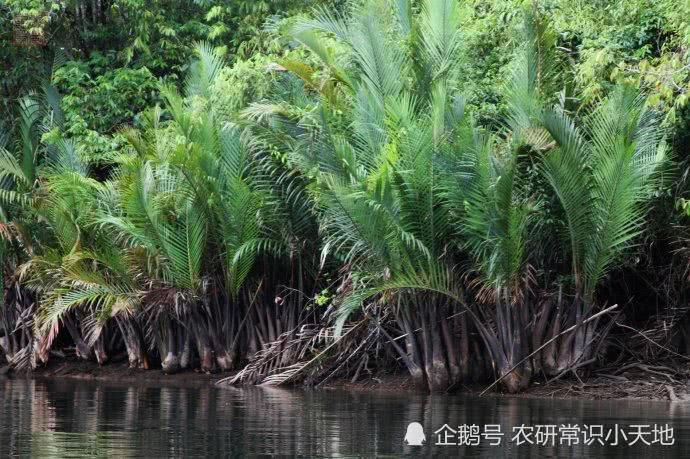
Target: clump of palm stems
column 184, row 252
column 438, row 219
column 469, row 254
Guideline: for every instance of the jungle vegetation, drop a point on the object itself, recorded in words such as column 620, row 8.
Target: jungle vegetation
column 476, row 191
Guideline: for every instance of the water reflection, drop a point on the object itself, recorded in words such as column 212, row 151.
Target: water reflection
column 73, row 418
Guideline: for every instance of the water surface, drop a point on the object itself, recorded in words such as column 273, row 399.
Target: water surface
column 66, row 418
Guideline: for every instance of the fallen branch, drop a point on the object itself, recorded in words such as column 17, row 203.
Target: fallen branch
column 652, row 341
column 288, row 373
column 651, row 369
column 318, row 356
column 672, row 394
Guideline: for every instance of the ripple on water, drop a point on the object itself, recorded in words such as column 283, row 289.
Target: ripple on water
column 64, row 418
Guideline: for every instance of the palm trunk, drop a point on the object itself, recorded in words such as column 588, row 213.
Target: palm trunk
column 453, row 367
column 413, row 357
column 186, row 354
column 538, row 334
column 133, row 344
column 99, row 350
column 550, row 352
column 82, row 350
column 171, row 362
column 438, row 380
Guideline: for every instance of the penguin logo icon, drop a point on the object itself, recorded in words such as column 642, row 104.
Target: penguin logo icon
column 415, row 434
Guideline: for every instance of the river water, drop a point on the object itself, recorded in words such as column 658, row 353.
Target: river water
column 66, row 418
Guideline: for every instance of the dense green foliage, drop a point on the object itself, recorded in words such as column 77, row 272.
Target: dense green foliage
column 285, row 187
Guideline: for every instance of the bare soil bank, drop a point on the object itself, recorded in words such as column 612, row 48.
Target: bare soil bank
column 638, row 386
column 120, row 373
column 631, row 385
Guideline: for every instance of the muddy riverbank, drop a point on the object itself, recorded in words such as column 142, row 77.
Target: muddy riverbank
column 634, row 384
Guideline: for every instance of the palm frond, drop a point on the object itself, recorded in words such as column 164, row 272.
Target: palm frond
column 204, row 71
